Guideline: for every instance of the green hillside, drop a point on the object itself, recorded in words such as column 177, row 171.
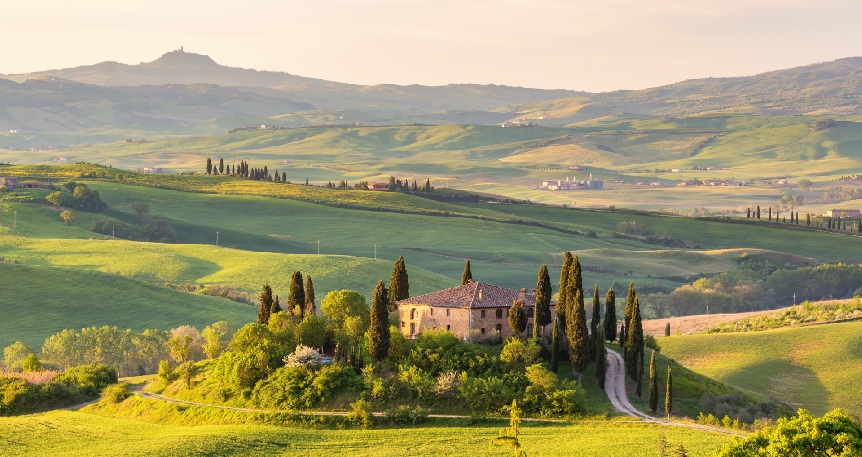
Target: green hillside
column 40, row 301
column 813, row 367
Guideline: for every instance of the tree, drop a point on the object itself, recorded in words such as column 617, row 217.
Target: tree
column 57, row 199
column 668, row 393
column 543, row 302
column 399, row 286
column 653, row 385
column 770, row 214
column 512, row 434
column 296, row 297
column 209, row 166
column 630, row 302
column 611, row 316
column 467, row 276
column 748, row 213
column 808, row 219
column 601, row 357
column 221, row 166
column 187, row 371
column 265, row 305
column 31, row 364
column 216, row 338
column 276, row 307
column 805, row 184
column 378, row 333
column 576, row 332
column 596, row 320
column 14, row 355
column 758, row 211
column 140, row 208
column 834, row 434
column 634, row 341
column 517, row 317
column 68, row 216
column 349, row 314
column 640, row 374
column 555, row 347
column 623, row 334
column 310, row 307
column 667, row 329
column 181, row 348
column 562, row 296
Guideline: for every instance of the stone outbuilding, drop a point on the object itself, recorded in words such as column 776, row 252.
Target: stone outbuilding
column 460, row 310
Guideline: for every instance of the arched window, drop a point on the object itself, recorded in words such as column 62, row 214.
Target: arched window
column 529, row 313
column 499, row 314
column 413, row 313
column 499, row 329
column 529, row 329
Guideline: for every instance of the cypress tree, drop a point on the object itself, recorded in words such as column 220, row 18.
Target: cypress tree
column 283, row 176
column 667, row 329
column 296, row 297
column 601, row 358
column 630, row 303
column 265, row 305
column 399, row 287
column 555, row 347
column 378, row 330
column 653, row 385
column 562, row 297
column 668, row 396
column 640, row 368
column 576, row 331
column 610, row 316
column 623, row 334
column 758, row 212
column 634, row 341
column 221, row 166
column 596, row 321
column 748, row 214
column 467, row 275
column 543, row 303
column 209, row 166
column 770, row 214
column 276, row 307
column 310, row 307
column 517, row 317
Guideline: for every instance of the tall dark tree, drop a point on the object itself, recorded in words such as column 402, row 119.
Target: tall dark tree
column 209, row 166
column 283, row 176
column 562, row 296
column 601, row 357
column 576, row 280
column 611, row 315
column 555, row 346
column 399, row 287
column 808, row 219
column 634, row 341
column 623, row 334
column 576, row 332
column 517, row 317
column 748, row 214
column 467, row 275
column 296, row 297
column 596, row 321
column 668, row 393
column 770, row 214
column 640, row 376
column 265, row 305
column 543, row 303
column 378, row 330
column 221, row 166
column 758, row 211
column 653, row 385
column 310, row 307
column 276, row 307
column 667, row 329
column 630, row 303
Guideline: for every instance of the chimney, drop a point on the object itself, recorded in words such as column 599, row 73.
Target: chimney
column 480, row 294
column 524, row 294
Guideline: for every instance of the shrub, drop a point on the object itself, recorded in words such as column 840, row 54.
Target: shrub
column 116, row 393
column 651, row 342
column 89, row 379
column 303, row 355
column 303, row 387
column 31, row 364
column 167, row 373
column 14, row 354
column 446, row 385
column 242, row 369
column 187, row 372
column 437, row 352
column 361, row 414
column 407, row 415
column 516, row 350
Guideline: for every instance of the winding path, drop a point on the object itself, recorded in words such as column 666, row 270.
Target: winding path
column 615, row 387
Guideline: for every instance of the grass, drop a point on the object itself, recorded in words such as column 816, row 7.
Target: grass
column 814, row 367
column 91, row 434
column 40, row 301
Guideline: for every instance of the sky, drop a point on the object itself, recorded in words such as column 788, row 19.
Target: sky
column 596, row 45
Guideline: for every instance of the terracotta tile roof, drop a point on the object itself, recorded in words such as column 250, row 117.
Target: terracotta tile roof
column 467, row 296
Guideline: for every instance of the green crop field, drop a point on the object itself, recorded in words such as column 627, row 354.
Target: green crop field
column 815, row 367
column 83, row 434
column 40, row 301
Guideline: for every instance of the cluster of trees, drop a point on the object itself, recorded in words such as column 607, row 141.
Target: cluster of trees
column 750, row 289
column 18, row 395
column 77, row 196
column 243, row 170
column 156, row 228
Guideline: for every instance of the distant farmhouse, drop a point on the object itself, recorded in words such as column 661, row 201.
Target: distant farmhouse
column 843, row 213
column 382, row 186
column 9, row 182
column 12, row 182
column 460, row 310
column 571, row 185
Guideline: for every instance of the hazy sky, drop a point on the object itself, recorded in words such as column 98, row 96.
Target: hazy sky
column 584, row 45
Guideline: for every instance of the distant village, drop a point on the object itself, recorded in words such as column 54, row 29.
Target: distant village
column 572, row 185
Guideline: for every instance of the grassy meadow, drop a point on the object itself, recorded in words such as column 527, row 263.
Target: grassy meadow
column 814, row 367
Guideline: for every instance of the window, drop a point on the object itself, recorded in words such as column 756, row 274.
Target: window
column 482, row 313
column 499, row 314
column 529, row 329
column 432, row 311
column 402, row 323
column 448, row 327
column 483, row 330
column 499, row 329
column 447, row 312
column 529, row 313
column 412, row 328
column 413, row 313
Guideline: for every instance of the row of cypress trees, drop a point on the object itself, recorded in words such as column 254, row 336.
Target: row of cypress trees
column 242, row 169
column 382, row 303
column 300, row 299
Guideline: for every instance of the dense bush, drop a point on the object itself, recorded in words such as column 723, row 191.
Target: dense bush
column 18, row 395
column 158, row 229
column 89, row 379
column 116, row 393
column 437, row 352
column 737, row 406
column 407, row 415
column 304, row 387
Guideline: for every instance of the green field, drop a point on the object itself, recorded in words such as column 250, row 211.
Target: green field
column 85, row 434
column 815, row 367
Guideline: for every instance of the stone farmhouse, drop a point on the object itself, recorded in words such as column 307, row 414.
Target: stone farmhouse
column 460, row 310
